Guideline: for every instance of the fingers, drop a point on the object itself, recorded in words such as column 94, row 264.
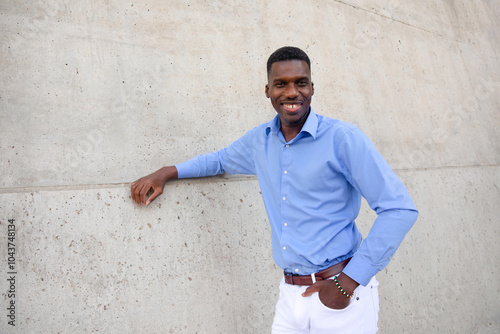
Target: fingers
column 157, row 192
column 144, row 191
column 328, row 294
column 138, row 191
column 154, row 182
column 133, row 187
column 316, row 287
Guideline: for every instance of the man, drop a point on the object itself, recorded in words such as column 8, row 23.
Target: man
column 312, row 171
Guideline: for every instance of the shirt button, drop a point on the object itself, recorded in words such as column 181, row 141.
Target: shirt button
column 284, row 248
column 296, row 270
column 286, row 172
column 284, row 198
column 287, row 145
column 286, row 224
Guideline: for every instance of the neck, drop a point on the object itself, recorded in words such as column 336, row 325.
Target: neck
column 289, row 134
column 291, row 130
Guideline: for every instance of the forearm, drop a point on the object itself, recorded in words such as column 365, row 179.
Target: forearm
column 200, row 166
column 375, row 252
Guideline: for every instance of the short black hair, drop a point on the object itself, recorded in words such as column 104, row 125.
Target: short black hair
column 287, row 53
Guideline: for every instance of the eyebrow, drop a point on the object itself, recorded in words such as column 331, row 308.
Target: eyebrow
column 293, row 79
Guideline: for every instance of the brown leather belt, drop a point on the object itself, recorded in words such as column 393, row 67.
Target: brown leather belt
column 295, row 279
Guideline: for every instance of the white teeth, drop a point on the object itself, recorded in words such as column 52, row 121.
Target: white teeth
column 291, row 106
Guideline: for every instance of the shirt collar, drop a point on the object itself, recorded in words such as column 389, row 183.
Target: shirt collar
column 310, row 126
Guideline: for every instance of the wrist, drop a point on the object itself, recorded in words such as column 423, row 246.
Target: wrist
column 168, row 173
column 346, row 283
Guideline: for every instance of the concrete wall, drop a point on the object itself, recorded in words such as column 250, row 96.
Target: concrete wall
column 95, row 94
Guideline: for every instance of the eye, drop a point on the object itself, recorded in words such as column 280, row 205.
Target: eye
column 303, row 83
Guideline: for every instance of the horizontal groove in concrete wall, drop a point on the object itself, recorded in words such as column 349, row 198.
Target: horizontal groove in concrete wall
column 219, row 178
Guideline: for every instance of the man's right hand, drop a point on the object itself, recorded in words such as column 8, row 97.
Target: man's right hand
column 155, row 181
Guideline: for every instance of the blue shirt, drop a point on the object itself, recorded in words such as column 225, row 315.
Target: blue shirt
column 312, row 188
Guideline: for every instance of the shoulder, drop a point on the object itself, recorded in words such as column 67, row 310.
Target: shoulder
column 335, row 124
column 256, row 134
column 335, row 128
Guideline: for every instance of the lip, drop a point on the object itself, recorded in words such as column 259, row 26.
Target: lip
column 291, row 106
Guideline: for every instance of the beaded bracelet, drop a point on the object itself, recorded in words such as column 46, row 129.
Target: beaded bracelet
column 340, row 288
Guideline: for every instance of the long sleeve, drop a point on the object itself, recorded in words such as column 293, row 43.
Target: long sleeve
column 369, row 173
column 234, row 159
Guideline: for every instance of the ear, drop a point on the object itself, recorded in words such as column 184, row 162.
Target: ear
column 312, row 86
column 267, row 91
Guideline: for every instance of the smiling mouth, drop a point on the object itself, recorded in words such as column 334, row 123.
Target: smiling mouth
column 291, row 107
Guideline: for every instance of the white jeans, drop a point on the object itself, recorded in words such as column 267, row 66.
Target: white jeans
column 307, row 315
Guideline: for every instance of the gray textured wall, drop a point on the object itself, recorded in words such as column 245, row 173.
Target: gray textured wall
column 95, row 94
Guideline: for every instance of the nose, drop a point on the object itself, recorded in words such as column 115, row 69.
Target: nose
column 291, row 91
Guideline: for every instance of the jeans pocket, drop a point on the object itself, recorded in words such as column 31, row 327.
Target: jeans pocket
column 352, row 302
column 348, row 320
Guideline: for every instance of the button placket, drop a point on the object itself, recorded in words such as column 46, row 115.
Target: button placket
column 285, row 212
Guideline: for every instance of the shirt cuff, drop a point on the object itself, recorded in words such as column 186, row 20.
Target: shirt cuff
column 184, row 170
column 360, row 270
